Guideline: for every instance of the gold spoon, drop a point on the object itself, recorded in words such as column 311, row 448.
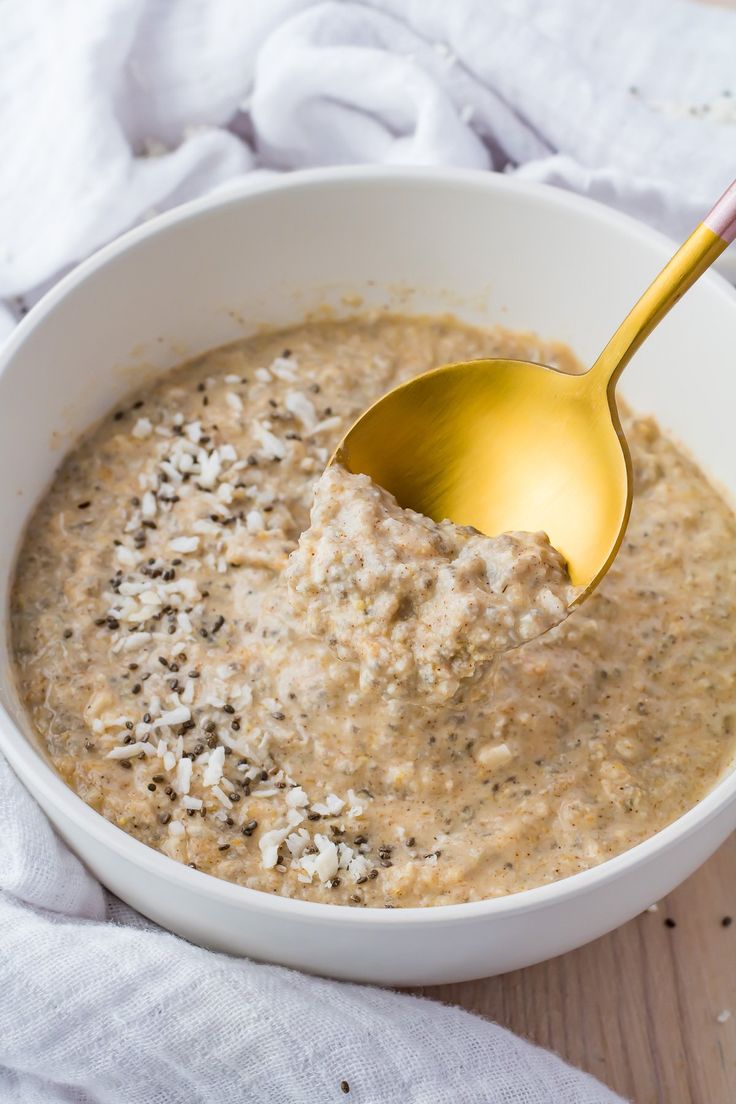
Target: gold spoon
column 507, row 445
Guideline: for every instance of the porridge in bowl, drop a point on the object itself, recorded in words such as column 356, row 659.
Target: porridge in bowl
column 347, row 717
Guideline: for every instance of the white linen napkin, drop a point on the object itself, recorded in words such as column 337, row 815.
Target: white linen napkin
column 112, row 110
column 99, row 1006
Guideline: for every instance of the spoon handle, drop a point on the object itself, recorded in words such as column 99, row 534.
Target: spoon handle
column 706, row 243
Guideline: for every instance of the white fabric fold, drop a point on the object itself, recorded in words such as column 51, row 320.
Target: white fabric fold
column 112, row 111
column 99, row 1006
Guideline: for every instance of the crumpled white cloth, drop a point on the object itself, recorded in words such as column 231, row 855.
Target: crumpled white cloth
column 115, row 109
column 99, row 1006
column 112, row 110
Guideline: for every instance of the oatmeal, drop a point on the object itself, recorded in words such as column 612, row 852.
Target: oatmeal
column 181, row 696
column 418, row 605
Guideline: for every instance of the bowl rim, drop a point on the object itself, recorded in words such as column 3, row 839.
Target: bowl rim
column 49, row 788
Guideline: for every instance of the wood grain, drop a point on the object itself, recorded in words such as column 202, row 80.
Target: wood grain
column 637, row 1008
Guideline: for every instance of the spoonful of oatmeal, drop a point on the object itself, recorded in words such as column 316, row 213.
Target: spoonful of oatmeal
column 510, row 447
column 418, row 606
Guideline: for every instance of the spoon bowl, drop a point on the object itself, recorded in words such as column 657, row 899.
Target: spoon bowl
column 506, row 445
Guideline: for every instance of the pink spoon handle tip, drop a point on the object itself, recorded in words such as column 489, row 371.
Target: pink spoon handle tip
column 721, row 219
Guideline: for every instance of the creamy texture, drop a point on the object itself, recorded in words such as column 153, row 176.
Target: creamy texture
column 181, row 697
column 417, row 605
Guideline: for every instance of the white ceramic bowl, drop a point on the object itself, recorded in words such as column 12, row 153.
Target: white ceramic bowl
column 489, row 249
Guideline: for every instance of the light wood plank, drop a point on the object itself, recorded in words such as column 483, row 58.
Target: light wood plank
column 637, row 1008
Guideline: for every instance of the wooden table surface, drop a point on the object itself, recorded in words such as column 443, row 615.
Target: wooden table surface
column 638, row 1008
